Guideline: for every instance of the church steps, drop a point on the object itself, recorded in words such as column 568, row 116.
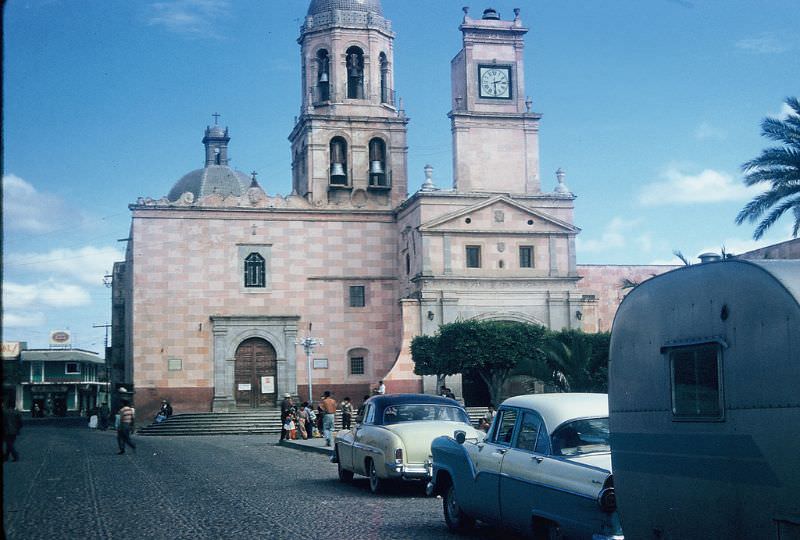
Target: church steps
column 239, row 423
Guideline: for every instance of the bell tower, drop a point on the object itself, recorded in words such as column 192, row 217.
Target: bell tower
column 495, row 134
column 349, row 142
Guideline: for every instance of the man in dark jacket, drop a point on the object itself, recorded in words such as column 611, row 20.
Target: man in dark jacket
column 12, row 425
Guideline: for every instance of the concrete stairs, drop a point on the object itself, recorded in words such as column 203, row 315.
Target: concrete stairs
column 239, row 423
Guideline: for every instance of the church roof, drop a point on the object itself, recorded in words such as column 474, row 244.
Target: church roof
column 219, row 179
column 323, row 6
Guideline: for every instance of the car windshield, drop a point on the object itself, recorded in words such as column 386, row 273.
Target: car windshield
column 420, row 412
column 581, row 437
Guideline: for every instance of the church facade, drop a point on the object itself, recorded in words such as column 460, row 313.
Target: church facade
column 221, row 282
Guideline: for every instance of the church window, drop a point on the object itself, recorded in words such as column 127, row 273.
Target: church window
column 323, row 92
column 526, row 256
column 338, row 162
column 355, row 73
column 377, row 163
column 356, row 365
column 408, row 263
column 473, row 256
column 357, row 296
column 254, row 271
column 386, row 92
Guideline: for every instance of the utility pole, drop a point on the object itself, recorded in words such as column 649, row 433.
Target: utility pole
column 105, row 355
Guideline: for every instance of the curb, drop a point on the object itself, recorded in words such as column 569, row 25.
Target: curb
column 325, row 450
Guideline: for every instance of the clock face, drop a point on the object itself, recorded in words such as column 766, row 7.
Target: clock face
column 494, row 82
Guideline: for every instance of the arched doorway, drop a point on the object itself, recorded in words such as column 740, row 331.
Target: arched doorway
column 255, row 372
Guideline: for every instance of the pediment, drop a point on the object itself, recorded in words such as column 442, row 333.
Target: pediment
column 498, row 214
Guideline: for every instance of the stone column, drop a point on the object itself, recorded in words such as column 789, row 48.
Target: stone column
column 287, row 367
column 223, row 373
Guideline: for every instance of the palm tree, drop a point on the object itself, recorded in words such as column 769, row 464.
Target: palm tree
column 778, row 166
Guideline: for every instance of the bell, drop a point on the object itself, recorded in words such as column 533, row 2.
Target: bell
column 376, row 167
column 337, row 170
column 323, row 78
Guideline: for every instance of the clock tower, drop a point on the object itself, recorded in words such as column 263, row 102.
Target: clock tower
column 349, row 144
column 495, row 134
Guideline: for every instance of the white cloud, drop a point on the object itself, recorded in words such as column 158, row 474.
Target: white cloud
column 23, row 320
column 50, row 293
column 706, row 131
column 762, row 44
column 615, row 235
column 786, row 111
column 27, row 210
column 195, row 18
column 708, row 186
column 88, row 264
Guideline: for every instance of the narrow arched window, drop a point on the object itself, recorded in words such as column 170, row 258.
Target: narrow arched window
column 338, row 151
column 386, row 92
column 377, row 163
column 323, row 92
column 254, row 271
column 355, row 73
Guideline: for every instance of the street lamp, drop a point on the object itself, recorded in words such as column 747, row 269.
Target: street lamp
column 308, row 344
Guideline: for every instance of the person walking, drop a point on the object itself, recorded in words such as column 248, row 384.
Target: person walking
column 127, row 416
column 347, row 413
column 328, row 406
column 12, row 425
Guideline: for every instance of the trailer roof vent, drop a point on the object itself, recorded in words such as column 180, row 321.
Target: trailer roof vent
column 708, row 257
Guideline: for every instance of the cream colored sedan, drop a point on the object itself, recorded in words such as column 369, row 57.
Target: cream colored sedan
column 393, row 439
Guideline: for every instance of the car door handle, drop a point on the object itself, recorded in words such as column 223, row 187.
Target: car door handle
column 501, row 451
column 538, row 459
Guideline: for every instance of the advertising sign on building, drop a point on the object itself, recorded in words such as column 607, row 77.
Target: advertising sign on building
column 60, row 338
column 11, row 349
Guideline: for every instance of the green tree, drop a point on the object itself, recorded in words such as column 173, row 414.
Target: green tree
column 779, row 167
column 577, row 361
column 491, row 348
column 428, row 362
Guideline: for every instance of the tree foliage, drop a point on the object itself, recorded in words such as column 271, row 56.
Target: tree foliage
column 779, row 168
column 568, row 360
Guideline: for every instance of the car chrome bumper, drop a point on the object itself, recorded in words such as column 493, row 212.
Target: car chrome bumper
column 409, row 472
column 607, row 537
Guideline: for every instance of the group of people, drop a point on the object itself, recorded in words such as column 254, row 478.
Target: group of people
column 486, row 421
column 307, row 421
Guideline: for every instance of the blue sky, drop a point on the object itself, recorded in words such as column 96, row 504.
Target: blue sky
column 650, row 106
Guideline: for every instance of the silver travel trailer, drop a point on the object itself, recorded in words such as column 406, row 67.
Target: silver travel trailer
column 704, row 402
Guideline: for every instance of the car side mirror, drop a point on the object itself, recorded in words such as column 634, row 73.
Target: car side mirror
column 460, row 436
column 359, row 419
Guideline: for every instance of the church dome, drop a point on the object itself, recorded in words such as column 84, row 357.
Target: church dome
column 219, row 179
column 323, row 6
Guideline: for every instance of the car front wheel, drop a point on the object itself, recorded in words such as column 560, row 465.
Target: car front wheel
column 344, row 474
column 454, row 516
column 375, row 482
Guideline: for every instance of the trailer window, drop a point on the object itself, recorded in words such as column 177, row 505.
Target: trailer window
column 696, row 389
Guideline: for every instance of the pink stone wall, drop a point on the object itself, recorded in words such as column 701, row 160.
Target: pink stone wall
column 187, row 269
column 785, row 250
column 605, row 282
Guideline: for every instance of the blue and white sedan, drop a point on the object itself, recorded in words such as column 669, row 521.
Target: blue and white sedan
column 543, row 469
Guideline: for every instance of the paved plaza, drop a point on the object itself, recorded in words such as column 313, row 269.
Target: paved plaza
column 70, row 483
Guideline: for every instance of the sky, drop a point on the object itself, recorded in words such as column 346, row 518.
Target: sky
column 650, row 106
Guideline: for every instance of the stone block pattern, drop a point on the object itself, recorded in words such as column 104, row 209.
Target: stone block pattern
column 606, row 281
column 186, row 270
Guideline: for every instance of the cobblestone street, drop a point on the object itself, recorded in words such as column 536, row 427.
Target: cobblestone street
column 70, row 483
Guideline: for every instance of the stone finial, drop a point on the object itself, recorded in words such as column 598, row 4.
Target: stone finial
column 561, row 187
column 528, row 104
column 465, row 9
column 428, row 184
column 517, row 20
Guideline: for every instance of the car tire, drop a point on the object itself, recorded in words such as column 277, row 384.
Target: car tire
column 454, row 516
column 376, row 483
column 344, row 475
